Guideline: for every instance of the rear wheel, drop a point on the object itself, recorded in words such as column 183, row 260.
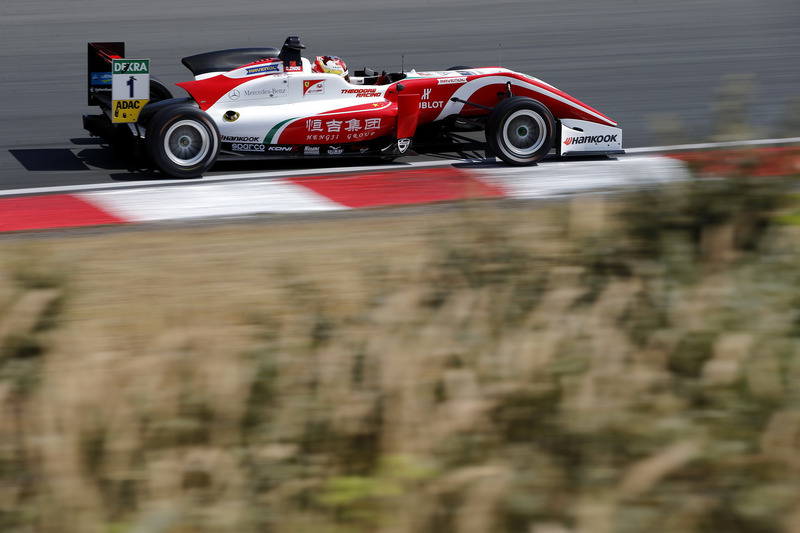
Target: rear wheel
column 520, row 130
column 182, row 141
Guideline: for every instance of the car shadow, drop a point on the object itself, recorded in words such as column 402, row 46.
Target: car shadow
column 91, row 154
column 324, row 163
column 124, row 166
column 48, row 159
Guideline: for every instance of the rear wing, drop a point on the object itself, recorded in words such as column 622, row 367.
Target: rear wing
column 100, row 57
column 116, row 83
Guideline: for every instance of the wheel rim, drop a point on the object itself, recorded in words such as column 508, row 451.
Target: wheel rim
column 525, row 132
column 186, row 143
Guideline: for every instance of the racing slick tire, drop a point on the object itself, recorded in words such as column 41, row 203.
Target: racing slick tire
column 182, row 141
column 520, row 130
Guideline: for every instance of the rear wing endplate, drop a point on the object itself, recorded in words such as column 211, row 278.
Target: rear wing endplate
column 119, row 84
column 98, row 83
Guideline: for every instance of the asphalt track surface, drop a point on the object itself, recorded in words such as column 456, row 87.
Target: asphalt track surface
column 631, row 59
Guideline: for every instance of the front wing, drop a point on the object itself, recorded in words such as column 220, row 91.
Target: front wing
column 580, row 137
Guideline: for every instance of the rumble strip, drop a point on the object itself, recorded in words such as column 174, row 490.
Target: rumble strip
column 330, row 192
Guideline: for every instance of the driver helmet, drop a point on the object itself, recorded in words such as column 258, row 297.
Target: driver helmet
column 330, row 65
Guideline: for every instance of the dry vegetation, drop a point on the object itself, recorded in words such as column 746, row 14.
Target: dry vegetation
column 595, row 366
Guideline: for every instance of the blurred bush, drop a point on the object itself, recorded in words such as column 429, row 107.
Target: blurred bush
column 604, row 365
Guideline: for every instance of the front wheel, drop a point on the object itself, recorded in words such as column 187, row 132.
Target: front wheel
column 520, row 130
column 182, row 141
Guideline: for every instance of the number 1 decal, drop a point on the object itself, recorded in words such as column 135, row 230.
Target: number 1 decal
column 130, row 88
column 130, row 84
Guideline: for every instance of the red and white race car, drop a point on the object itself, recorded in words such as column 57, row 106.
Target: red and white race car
column 266, row 103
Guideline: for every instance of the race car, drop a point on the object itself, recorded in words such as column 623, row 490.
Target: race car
column 265, row 103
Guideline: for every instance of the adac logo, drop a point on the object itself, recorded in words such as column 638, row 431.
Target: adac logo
column 313, row 87
column 230, row 116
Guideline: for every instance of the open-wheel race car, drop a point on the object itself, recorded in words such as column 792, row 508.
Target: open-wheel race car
column 262, row 103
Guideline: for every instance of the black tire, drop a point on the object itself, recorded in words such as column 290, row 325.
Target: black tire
column 182, row 141
column 520, row 130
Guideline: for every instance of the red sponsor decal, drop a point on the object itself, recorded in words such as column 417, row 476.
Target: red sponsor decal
column 361, row 93
column 313, row 87
column 346, row 125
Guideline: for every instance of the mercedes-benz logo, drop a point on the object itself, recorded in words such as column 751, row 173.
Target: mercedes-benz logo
column 233, row 95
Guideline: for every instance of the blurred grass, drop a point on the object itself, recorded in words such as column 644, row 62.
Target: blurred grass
column 605, row 364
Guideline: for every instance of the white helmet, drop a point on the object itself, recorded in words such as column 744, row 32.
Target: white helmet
column 330, row 65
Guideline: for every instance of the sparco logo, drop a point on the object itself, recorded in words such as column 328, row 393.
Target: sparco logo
column 247, row 147
column 591, row 139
